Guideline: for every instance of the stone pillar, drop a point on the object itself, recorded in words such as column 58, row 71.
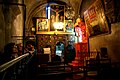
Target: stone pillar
column 8, row 20
column 13, row 23
column 2, row 30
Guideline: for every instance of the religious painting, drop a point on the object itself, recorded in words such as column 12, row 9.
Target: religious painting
column 95, row 19
column 41, row 25
column 69, row 25
column 56, row 17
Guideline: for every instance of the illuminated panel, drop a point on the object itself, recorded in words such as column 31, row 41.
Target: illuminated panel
column 48, row 12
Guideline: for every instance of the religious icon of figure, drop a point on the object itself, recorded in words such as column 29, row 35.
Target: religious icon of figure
column 57, row 15
column 52, row 20
column 61, row 19
column 39, row 25
column 69, row 26
column 42, row 25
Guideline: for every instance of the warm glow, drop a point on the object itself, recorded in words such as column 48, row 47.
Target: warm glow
column 33, row 29
column 58, row 25
column 55, row 25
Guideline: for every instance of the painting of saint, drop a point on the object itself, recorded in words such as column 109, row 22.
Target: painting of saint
column 42, row 25
column 69, row 26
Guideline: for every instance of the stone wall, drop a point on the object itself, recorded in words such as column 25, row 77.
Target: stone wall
column 110, row 41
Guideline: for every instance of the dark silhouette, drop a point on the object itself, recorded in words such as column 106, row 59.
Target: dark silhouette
column 55, row 58
column 70, row 53
column 10, row 51
column 32, row 60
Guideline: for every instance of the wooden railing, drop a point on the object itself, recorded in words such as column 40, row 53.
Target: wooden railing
column 12, row 62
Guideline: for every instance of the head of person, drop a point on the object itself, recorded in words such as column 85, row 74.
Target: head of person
column 10, row 49
column 30, row 45
column 20, row 48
